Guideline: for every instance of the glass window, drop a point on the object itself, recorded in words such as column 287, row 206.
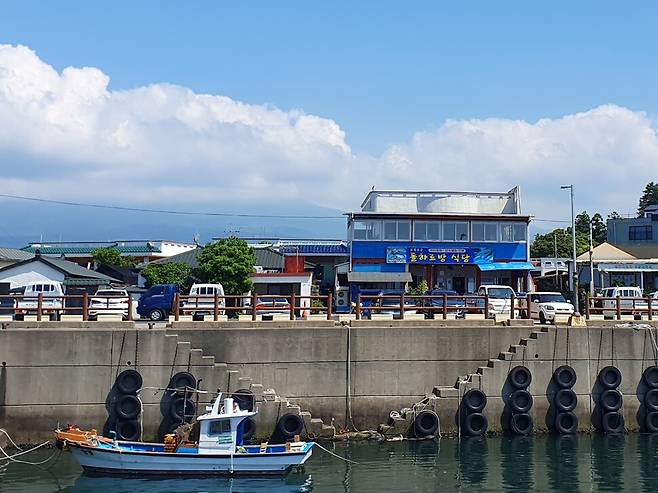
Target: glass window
column 404, row 230
column 427, row 230
column 506, row 232
column 448, row 231
column 390, row 230
column 367, row 230
column 519, row 231
column 455, row 231
column 477, row 231
column 640, row 233
column 219, row 426
column 490, row 231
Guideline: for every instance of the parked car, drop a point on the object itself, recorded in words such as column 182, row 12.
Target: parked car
column 391, row 306
column 109, row 302
column 157, row 302
column 204, row 304
column 500, row 299
column 455, row 306
column 268, row 306
column 547, row 306
column 627, row 305
column 52, row 294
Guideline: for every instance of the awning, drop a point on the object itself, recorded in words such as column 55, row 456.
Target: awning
column 379, row 277
column 506, row 266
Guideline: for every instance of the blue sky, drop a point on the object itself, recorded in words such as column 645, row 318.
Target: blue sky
column 319, row 101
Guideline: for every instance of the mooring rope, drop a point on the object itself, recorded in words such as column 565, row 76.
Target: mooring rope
column 349, row 461
column 12, row 458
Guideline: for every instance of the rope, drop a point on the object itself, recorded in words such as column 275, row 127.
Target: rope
column 123, row 340
column 10, row 439
column 12, row 458
column 567, row 355
column 335, row 455
column 589, row 375
column 173, row 362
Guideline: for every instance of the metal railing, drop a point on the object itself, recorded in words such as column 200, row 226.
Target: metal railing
column 72, row 304
column 621, row 305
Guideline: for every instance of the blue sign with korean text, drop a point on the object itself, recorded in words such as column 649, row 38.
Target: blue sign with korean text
column 430, row 255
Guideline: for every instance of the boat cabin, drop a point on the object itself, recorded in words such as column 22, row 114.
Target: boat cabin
column 222, row 429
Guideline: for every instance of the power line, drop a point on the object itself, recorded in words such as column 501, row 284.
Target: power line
column 165, row 211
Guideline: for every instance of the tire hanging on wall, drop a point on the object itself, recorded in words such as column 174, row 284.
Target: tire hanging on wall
column 520, row 377
column 613, row 423
column 566, row 423
column 128, row 406
column 182, row 409
column 520, row 401
column 182, row 380
column 475, row 424
column 475, row 400
column 651, row 400
column 566, row 400
column 129, row 382
column 244, row 398
column 651, row 422
column 249, row 429
column 650, row 377
column 425, row 424
column 128, row 429
column 611, row 400
column 610, row 377
column 564, row 377
column 290, row 425
column 521, row 424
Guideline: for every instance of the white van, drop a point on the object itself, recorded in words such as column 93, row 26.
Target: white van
column 627, row 306
column 500, row 299
column 52, row 294
column 205, row 303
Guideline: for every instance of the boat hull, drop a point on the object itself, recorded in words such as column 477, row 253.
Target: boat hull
column 116, row 461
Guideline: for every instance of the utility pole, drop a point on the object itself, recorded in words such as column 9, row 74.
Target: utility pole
column 574, row 280
column 557, row 272
column 591, row 264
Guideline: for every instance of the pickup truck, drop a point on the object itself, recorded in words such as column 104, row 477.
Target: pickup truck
column 51, row 304
column 547, row 307
column 157, row 302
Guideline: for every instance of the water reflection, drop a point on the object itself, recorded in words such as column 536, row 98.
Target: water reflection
column 562, row 462
column 472, row 457
column 292, row 483
column 608, row 461
column 647, row 456
column 517, row 463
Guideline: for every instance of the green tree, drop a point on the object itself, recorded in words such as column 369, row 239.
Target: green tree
column 614, row 215
column 649, row 197
column 111, row 256
column 543, row 245
column 230, row 262
column 177, row 273
column 599, row 228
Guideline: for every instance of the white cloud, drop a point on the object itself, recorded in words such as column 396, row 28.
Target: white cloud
column 67, row 133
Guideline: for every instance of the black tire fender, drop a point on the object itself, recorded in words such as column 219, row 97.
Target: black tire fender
column 182, row 409
column 521, row 424
column 182, row 380
column 613, row 423
column 290, row 425
column 651, row 400
column 244, row 399
column 566, row 423
column 475, row 400
column 248, row 428
column 475, row 425
column 425, row 424
column 128, row 406
column 129, row 382
column 611, row 400
column 564, row 377
column 610, row 377
column 520, row 377
column 565, row 400
column 651, row 422
column 650, row 377
column 520, row 401
column 128, row 430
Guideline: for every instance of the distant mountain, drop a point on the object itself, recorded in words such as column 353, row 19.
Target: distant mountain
column 22, row 222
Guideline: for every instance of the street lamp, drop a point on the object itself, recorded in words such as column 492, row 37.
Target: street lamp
column 574, row 280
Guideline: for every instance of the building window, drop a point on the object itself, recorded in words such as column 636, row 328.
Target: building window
column 484, row 231
column 427, row 231
column 512, row 232
column 397, row 230
column 367, row 230
column 640, row 233
column 453, row 231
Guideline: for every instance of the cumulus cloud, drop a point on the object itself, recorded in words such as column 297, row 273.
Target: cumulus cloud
column 64, row 134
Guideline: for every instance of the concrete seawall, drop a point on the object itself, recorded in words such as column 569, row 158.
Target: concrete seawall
column 61, row 373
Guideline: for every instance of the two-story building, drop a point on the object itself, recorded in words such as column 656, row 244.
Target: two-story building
column 452, row 240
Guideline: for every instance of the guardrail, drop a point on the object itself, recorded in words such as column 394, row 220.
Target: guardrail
column 55, row 306
column 620, row 305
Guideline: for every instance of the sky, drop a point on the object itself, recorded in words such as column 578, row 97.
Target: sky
column 301, row 107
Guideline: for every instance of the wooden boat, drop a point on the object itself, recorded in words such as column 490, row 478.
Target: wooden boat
column 219, row 451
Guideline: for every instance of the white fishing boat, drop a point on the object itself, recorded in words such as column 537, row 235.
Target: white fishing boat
column 219, row 451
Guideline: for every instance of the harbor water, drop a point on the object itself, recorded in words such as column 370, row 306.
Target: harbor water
column 540, row 463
